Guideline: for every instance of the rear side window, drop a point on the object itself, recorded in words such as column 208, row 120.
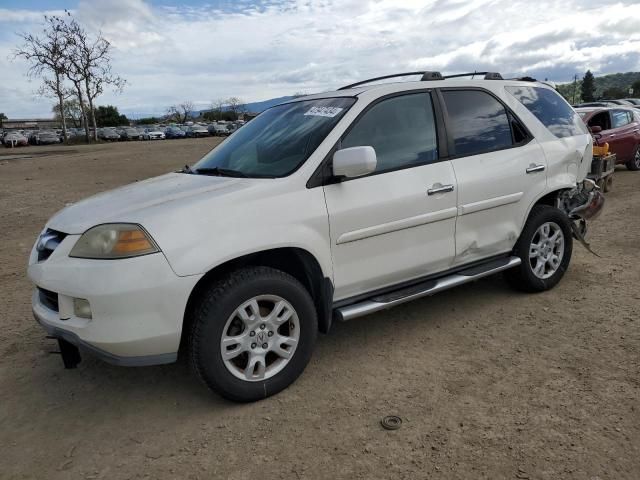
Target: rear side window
column 620, row 118
column 401, row 130
column 477, row 122
column 551, row 109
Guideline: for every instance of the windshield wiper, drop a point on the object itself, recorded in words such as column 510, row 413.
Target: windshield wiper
column 217, row 171
column 186, row 169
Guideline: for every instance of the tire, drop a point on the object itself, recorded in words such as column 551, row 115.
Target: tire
column 634, row 163
column 528, row 276
column 257, row 372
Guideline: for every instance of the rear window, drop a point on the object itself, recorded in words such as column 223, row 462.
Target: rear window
column 551, row 109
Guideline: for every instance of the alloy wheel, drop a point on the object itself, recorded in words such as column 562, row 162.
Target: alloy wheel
column 260, row 338
column 546, row 250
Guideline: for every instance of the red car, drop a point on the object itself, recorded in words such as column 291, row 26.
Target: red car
column 620, row 128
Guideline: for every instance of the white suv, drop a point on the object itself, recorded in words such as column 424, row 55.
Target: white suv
column 324, row 208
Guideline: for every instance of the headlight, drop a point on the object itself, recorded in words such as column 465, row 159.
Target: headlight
column 114, row 240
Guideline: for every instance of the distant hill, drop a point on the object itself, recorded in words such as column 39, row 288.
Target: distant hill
column 257, row 107
column 617, row 81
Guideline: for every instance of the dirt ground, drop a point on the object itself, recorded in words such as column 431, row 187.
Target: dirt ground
column 489, row 383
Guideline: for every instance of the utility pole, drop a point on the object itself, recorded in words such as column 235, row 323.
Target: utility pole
column 575, row 86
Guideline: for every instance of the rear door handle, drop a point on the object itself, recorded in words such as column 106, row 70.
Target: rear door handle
column 441, row 189
column 536, row 168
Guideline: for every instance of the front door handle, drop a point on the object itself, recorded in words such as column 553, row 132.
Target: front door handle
column 536, row 168
column 440, row 189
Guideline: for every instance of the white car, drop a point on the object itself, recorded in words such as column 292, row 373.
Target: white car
column 153, row 134
column 327, row 207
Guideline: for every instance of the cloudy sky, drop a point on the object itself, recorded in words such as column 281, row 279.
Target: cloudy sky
column 170, row 51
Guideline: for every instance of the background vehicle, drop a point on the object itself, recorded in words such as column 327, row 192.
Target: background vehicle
column 243, row 258
column 16, row 139
column 218, row 129
column 108, row 134
column 153, row 133
column 174, row 132
column 45, row 137
column 130, row 133
column 197, row 131
column 620, row 128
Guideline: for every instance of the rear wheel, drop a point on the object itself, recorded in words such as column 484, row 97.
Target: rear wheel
column 253, row 333
column 634, row 163
column 545, row 248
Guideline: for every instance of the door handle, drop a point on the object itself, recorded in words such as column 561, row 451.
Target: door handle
column 441, row 189
column 536, row 168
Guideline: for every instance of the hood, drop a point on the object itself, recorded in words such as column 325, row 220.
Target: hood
column 131, row 203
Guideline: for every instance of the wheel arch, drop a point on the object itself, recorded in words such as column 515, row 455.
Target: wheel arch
column 297, row 262
column 547, row 198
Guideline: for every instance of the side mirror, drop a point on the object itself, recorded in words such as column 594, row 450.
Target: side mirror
column 595, row 129
column 354, row 162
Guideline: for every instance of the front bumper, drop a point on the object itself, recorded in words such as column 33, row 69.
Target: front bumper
column 137, row 304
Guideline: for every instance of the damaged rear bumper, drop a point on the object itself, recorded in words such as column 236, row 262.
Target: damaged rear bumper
column 584, row 202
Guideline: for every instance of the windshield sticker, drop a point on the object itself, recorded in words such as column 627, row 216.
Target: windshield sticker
column 323, row 111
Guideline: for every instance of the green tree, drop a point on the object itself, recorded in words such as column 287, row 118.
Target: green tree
column 588, row 89
column 3, row 117
column 108, row 116
column 147, row 121
column 636, row 89
column 613, row 93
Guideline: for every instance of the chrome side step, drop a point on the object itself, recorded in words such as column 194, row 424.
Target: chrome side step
column 424, row 289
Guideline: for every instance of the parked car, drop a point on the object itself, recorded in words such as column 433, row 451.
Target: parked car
column 109, row 134
column 153, row 134
column 634, row 101
column 218, row 129
column 595, row 104
column 15, row 139
column 620, row 128
column 174, row 132
column 46, row 137
column 130, row 133
column 197, row 131
column 330, row 206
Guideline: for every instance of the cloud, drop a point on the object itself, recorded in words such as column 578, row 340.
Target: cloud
column 268, row 48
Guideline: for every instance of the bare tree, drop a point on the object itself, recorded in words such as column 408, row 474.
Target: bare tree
column 71, row 109
column 180, row 112
column 46, row 55
column 90, row 65
column 236, row 105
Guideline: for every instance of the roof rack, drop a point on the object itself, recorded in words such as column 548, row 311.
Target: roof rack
column 426, row 76
column 487, row 75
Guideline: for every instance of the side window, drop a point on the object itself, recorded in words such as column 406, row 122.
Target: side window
column 551, row 109
column 619, row 118
column 477, row 122
column 401, row 130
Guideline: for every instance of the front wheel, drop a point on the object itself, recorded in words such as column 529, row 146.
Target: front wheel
column 253, row 333
column 545, row 248
column 634, row 163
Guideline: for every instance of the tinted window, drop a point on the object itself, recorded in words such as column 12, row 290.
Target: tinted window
column 620, row 118
column 278, row 140
column 551, row 109
column 477, row 122
column 400, row 129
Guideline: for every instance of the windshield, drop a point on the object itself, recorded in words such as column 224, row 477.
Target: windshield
column 279, row 140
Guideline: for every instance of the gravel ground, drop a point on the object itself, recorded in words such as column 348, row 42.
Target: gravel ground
column 489, row 383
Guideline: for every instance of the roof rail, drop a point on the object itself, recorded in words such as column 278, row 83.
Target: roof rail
column 426, row 76
column 487, row 75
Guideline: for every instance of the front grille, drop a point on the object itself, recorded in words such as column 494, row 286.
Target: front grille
column 49, row 299
column 48, row 242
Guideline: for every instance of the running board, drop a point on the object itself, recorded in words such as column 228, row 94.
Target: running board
column 424, row 289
